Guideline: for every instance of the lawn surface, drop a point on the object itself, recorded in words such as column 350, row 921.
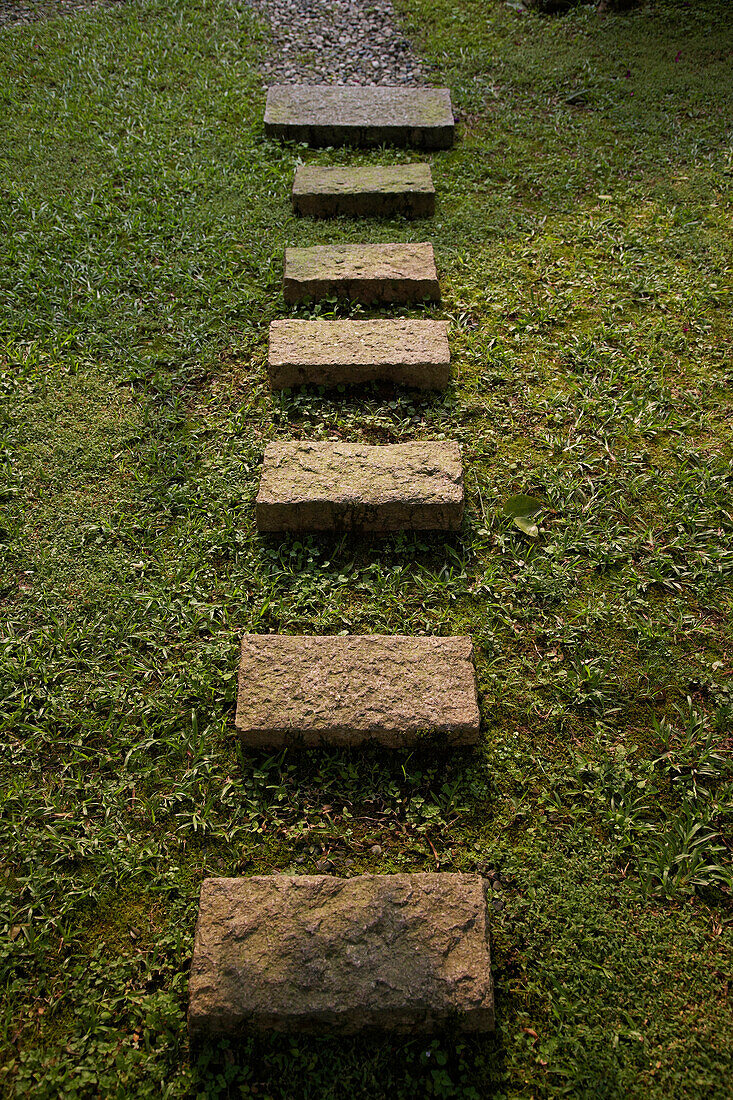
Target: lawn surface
column 583, row 237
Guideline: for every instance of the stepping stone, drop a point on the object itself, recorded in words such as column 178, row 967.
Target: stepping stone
column 405, row 189
column 367, row 273
column 328, row 353
column 324, row 114
column 406, row 953
column 394, row 689
column 354, row 487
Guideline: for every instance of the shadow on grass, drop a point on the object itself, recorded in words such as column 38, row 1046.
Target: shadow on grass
column 312, row 1068
column 409, row 792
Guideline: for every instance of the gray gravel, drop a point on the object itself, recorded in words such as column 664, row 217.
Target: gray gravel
column 337, row 42
column 13, row 12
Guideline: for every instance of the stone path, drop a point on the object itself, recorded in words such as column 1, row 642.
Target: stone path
column 314, row 953
column 396, row 690
column 407, row 953
column 372, row 274
column 325, row 115
column 329, row 353
column 400, row 189
column 308, row 487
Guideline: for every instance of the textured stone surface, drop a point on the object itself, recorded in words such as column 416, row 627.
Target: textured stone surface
column 405, row 189
column 392, row 689
column 326, row 353
column 324, row 114
column 355, row 487
column 368, row 273
column 405, row 953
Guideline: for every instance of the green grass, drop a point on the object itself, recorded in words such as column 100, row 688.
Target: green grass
column 583, row 236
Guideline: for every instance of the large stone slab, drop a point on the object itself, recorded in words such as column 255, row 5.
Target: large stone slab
column 405, row 953
column 394, row 689
column 324, row 114
column 368, row 273
column 355, row 487
column 328, row 353
column 405, row 189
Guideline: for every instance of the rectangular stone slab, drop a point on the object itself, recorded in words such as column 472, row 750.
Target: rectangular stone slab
column 325, row 114
column 368, row 273
column 360, row 488
column 393, row 689
column 405, row 189
column 328, row 353
column 404, row 953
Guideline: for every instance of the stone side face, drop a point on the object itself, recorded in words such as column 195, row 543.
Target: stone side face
column 395, row 690
column 362, row 116
column 359, row 488
column 367, row 273
column 404, row 953
column 403, row 189
column 329, row 353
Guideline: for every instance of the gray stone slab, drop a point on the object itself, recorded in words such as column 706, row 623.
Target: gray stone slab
column 355, row 487
column 393, row 689
column 329, row 353
column 405, row 953
column 369, row 273
column 325, row 114
column 384, row 191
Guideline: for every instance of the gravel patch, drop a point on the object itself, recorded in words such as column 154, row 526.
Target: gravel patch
column 15, row 12
column 337, row 42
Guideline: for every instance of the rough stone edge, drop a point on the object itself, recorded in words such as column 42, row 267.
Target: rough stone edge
column 301, row 517
column 367, row 291
column 419, row 376
column 364, row 204
column 433, row 138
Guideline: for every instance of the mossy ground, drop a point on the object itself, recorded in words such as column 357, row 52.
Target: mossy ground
column 583, row 236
